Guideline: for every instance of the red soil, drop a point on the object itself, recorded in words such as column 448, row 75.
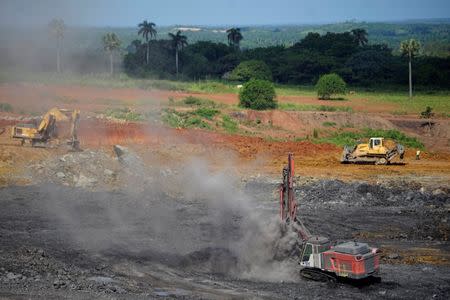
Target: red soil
column 39, row 98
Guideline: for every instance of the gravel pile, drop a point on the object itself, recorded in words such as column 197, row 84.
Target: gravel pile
column 87, row 169
column 335, row 193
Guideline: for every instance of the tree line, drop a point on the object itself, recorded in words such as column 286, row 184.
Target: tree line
column 347, row 54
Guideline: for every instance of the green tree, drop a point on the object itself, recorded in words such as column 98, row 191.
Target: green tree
column 57, row 28
column 111, row 43
column 249, row 69
column 179, row 41
column 258, row 94
column 147, row 29
column 330, row 84
column 410, row 48
column 234, row 37
column 360, row 36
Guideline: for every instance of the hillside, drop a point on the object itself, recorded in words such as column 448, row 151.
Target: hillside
column 434, row 34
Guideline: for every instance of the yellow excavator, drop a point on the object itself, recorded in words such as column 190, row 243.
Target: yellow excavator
column 42, row 134
column 378, row 150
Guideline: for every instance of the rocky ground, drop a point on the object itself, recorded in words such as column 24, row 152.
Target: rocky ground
column 189, row 233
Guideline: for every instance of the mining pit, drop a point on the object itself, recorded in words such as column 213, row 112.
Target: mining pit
column 188, row 232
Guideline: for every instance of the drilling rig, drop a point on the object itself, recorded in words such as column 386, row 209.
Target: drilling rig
column 319, row 259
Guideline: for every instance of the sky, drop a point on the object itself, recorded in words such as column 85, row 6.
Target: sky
column 123, row 13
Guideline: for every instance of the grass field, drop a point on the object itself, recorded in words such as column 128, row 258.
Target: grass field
column 438, row 100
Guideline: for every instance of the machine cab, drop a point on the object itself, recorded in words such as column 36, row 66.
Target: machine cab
column 375, row 144
column 312, row 251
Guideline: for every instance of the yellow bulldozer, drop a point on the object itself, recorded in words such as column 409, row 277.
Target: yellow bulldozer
column 378, row 151
column 48, row 129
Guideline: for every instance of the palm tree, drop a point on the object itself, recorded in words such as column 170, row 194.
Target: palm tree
column 178, row 42
column 360, row 36
column 410, row 48
column 147, row 29
column 234, row 37
column 57, row 28
column 111, row 43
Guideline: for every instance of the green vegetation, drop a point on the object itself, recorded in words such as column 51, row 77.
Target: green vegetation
column 111, row 44
column 212, row 87
column 347, row 54
column 258, row 94
column 177, row 43
column 191, row 100
column 235, row 37
column 410, row 49
column 57, row 29
column 251, row 69
column 427, row 113
column 124, row 114
column 229, row 124
column 310, row 107
column 351, row 138
column 439, row 100
column 328, row 124
column 6, row 107
column 179, row 119
column 147, row 29
column 329, row 85
column 200, row 102
column 207, row 113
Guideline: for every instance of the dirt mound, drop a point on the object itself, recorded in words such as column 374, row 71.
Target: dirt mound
column 81, row 169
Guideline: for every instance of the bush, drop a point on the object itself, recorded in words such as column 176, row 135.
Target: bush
column 207, row 113
column 194, row 101
column 258, row 94
column 427, row 113
column 124, row 114
column 330, row 84
column 251, row 69
column 229, row 124
column 6, row 107
column 329, row 124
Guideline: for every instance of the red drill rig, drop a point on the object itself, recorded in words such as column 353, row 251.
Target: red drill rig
column 320, row 260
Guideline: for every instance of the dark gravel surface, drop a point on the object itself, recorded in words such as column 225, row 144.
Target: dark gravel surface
column 60, row 242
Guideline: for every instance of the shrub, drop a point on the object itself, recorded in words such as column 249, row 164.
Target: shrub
column 329, row 124
column 330, row 84
column 6, row 107
column 124, row 114
column 427, row 113
column 178, row 119
column 251, row 69
column 207, row 113
column 258, row 94
column 190, row 100
column 229, row 124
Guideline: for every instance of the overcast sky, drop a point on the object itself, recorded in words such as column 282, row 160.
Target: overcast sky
column 216, row 12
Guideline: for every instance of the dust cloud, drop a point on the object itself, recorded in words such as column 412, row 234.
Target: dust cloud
column 28, row 45
column 202, row 217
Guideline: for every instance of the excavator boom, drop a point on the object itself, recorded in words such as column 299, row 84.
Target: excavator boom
column 47, row 128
